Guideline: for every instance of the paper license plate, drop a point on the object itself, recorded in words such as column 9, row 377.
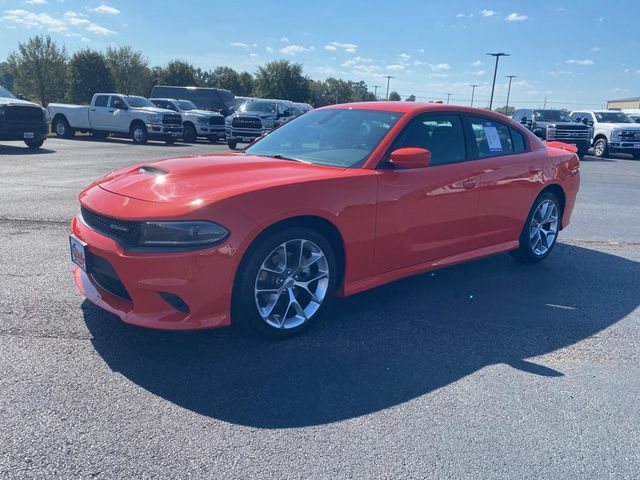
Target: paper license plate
column 78, row 252
column 246, row 139
column 29, row 135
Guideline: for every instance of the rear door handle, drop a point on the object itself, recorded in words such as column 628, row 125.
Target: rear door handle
column 93, row 109
column 534, row 170
column 111, row 111
column 469, row 184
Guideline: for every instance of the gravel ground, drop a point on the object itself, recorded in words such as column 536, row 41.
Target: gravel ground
column 486, row 370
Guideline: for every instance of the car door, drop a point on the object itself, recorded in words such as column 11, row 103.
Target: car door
column 99, row 113
column 510, row 180
column 118, row 115
column 426, row 214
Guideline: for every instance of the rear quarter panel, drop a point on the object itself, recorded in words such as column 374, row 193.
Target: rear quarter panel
column 76, row 115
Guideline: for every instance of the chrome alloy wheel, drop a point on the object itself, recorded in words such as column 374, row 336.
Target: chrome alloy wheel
column 599, row 148
column 138, row 134
column 291, row 284
column 543, row 229
column 61, row 128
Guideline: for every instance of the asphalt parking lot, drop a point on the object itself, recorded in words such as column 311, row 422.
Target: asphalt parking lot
column 486, row 370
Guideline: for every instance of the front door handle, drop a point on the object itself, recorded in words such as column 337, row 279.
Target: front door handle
column 111, row 111
column 470, row 184
column 534, row 170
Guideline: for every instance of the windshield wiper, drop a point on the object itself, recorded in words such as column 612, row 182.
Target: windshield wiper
column 282, row 157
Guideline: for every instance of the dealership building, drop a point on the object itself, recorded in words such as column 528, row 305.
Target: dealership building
column 624, row 104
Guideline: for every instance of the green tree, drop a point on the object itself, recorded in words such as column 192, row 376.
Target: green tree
column 394, row 97
column 88, row 74
column 508, row 111
column 410, row 98
column 6, row 77
column 282, row 79
column 39, row 67
column 179, row 73
column 129, row 70
column 246, row 87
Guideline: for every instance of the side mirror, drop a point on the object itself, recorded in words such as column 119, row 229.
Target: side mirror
column 231, row 111
column 22, row 97
column 523, row 120
column 586, row 121
column 120, row 106
column 403, row 158
column 287, row 113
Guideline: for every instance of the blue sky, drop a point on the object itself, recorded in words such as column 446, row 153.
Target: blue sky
column 575, row 53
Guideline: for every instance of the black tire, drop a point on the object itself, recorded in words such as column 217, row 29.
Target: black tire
column 232, row 145
column 139, row 134
column 34, row 143
column 582, row 151
column 169, row 141
column 525, row 252
column 636, row 156
column 244, row 306
column 601, row 148
column 62, row 129
column 189, row 134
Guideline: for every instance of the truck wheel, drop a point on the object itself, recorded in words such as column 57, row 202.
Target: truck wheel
column 232, row 145
column 169, row 141
column 189, row 134
column 582, row 151
column 62, row 128
column 139, row 134
column 34, row 143
column 601, row 148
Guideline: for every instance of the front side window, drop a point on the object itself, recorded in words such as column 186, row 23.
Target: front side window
column 186, row 105
column 337, row 137
column 116, row 102
column 139, row 102
column 492, row 138
column 442, row 135
column 552, row 116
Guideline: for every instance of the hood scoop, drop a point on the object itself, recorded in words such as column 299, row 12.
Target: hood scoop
column 151, row 170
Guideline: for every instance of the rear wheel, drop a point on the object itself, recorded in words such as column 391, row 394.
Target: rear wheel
column 139, row 134
column 285, row 283
column 62, row 128
column 34, row 143
column 232, row 145
column 540, row 232
column 189, row 134
column 601, row 148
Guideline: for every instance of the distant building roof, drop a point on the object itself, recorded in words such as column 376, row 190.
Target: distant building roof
column 634, row 99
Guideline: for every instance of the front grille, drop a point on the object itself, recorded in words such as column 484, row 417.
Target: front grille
column 570, row 134
column 171, row 119
column 24, row 113
column 216, row 120
column 125, row 231
column 105, row 276
column 252, row 123
column 630, row 135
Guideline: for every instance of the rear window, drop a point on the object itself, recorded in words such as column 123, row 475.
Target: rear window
column 101, row 100
column 517, row 138
column 492, row 138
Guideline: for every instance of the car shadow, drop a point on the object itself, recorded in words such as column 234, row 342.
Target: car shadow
column 383, row 347
column 124, row 141
column 23, row 150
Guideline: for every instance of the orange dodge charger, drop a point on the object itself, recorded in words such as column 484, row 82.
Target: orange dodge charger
column 339, row 200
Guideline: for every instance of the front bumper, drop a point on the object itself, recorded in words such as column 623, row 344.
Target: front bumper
column 137, row 287
column 625, row 147
column 244, row 135
column 16, row 131
column 164, row 132
column 206, row 130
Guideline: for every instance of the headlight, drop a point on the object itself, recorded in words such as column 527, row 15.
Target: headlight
column 154, row 119
column 615, row 135
column 181, row 234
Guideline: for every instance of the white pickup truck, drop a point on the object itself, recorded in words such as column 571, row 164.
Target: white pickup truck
column 195, row 123
column 613, row 131
column 120, row 115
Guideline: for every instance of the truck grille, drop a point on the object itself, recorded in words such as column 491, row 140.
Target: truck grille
column 252, row 123
column 24, row 114
column 124, row 231
column 630, row 135
column 216, row 120
column 171, row 119
column 570, row 134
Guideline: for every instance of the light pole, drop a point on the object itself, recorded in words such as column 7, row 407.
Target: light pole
column 510, row 77
column 388, row 77
column 495, row 72
column 448, row 96
column 473, row 91
column 375, row 90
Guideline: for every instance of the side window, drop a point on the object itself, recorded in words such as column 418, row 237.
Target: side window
column 442, row 135
column 517, row 139
column 101, row 101
column 492, row 138
column 116, row 102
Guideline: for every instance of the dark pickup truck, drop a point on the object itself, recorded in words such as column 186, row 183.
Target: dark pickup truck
column 22, row 120
column 556, row 125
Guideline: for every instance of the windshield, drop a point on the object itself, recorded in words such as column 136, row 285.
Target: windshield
column 612, row 117
column 337, row 137
column 186, row 105
column 139, row 102
column 552, row 116
column 6, row 93
column 258, row 106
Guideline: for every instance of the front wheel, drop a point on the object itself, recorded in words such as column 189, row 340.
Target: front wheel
column 189, row 134
column 540, row 232
column 139, row 134
column 285, row 283
column 601, row 148
column 34, row 143
column 232, row 145
column 62, row 128
column 582, row 151
column 169, row 141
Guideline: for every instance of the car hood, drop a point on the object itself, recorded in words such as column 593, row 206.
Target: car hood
column 624, row 126
column 209, row 178
column 16, row 101
column 204, row 113
column 153, row 110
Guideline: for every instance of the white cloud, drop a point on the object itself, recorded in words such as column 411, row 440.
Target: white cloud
column 580, row 62
column 488, row 13
column 106, row 9
column 284, row 40
column 347, row 47
column 239, row 44
column 75, row 19
column 479, row 73
column 253, row 55
column 460, row 15
column 404, row 56
column 515, row 17
column 417, row 63
column 269, row 49
column 36, row 2
column 28, row 19
column 420, row 50
column 596, row 49
column 293, row 49
column 559, row 73
column 395, row 67
column 477, row 63
column 99, row 30
column 439, row 66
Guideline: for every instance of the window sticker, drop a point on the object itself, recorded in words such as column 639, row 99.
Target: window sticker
column 493, row 139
